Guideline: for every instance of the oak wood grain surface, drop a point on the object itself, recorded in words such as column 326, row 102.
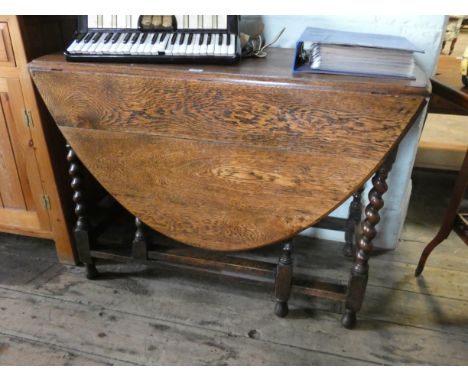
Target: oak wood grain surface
column 227, row 158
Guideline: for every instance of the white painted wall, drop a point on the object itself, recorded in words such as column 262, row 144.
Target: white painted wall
column 426, row 33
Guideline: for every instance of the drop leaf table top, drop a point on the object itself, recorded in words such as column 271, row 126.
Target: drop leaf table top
column 227, row 157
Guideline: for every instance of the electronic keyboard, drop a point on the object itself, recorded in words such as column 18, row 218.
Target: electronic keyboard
column 156, row 39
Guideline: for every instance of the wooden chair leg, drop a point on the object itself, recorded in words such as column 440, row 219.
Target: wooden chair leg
column 450, row 215
column 283, row 281
column 81, row 226
column 139, row 245
column 353, row 221
column 359, row 272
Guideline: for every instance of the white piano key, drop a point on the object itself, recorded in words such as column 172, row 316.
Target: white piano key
column 74, row 45
column 170, row 46
column 122, row 46
column 210, row 50
column 115, row 45
column 176, row 47
column 207, row 21
column 148, row 44
column 196, row 45
column 100, row 21
column 204, row 46
column 141, row 46
column 179, row 21
column 186, row 22
column 162, row 44
column 199, row 21
column 183, row 48
column 86, row 46
column 134, row 21
column 193, row 22
column 190, row 48
column 92, row 21
column 107, row 21
column 215, row 22
column 217, row 50
column 80, row 46
column 135, row 47
column 232, row 46
column 110, row 47
column 121, row 21
column 154, row 50
column 222, row 21
column 100, row 44
column 224, row 47
column 125, row 48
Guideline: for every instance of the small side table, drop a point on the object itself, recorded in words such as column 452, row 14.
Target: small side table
column 447, row 85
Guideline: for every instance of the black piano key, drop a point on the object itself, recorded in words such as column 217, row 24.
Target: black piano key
column 182, row 38
column 127, row 38
column 96, row 37
column 135, row 38
column 228, row 39
column 143, row 37
column 174, row 38
column 88, row 37
column 208, row 42
column 154, row 39
column 163, row 36
column 80, row 36
column 116, row 37
column 190, row 38
column 220, row 39
column 107, row 38
column 200, row 41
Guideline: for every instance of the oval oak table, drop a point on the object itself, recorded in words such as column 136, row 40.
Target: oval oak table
column 229, row 158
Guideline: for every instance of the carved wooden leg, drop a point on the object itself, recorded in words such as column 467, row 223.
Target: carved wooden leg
column 139, row 246
column 359, row 272
column 81, row 227
column 354, row 218
column 283, row 281
column 450, row 215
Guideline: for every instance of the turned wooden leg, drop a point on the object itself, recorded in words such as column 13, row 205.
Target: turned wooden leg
column 450, row 215
column 354, row 219
column 360, row 270
column 283, row 281
column 81, row 226
column 139, row 245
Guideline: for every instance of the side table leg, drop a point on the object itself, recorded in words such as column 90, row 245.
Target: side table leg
column 451, row 213
column 283, row 281
column 81, row 226
column 359, row 272
column 354, row 219
column 139, row 246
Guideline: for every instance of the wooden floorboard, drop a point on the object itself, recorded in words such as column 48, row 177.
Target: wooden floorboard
column 51, row 315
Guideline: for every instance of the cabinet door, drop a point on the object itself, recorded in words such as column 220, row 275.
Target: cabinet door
column 22, row 207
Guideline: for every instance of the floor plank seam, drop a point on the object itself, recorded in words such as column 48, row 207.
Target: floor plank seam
column 65, row 348
column 420, row 292
column 39, row 274
column 230, row 334
column 181, row 323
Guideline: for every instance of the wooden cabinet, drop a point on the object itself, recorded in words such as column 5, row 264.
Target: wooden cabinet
column 31, row 202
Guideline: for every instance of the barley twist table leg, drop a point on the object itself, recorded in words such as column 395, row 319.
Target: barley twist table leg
column 81, row 226
column 360, row 270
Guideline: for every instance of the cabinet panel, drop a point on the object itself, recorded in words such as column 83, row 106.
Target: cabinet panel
column 20, row 185
column 6, row 51
column 11, row 193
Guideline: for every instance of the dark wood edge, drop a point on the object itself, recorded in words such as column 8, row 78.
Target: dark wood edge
column 450, row 94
